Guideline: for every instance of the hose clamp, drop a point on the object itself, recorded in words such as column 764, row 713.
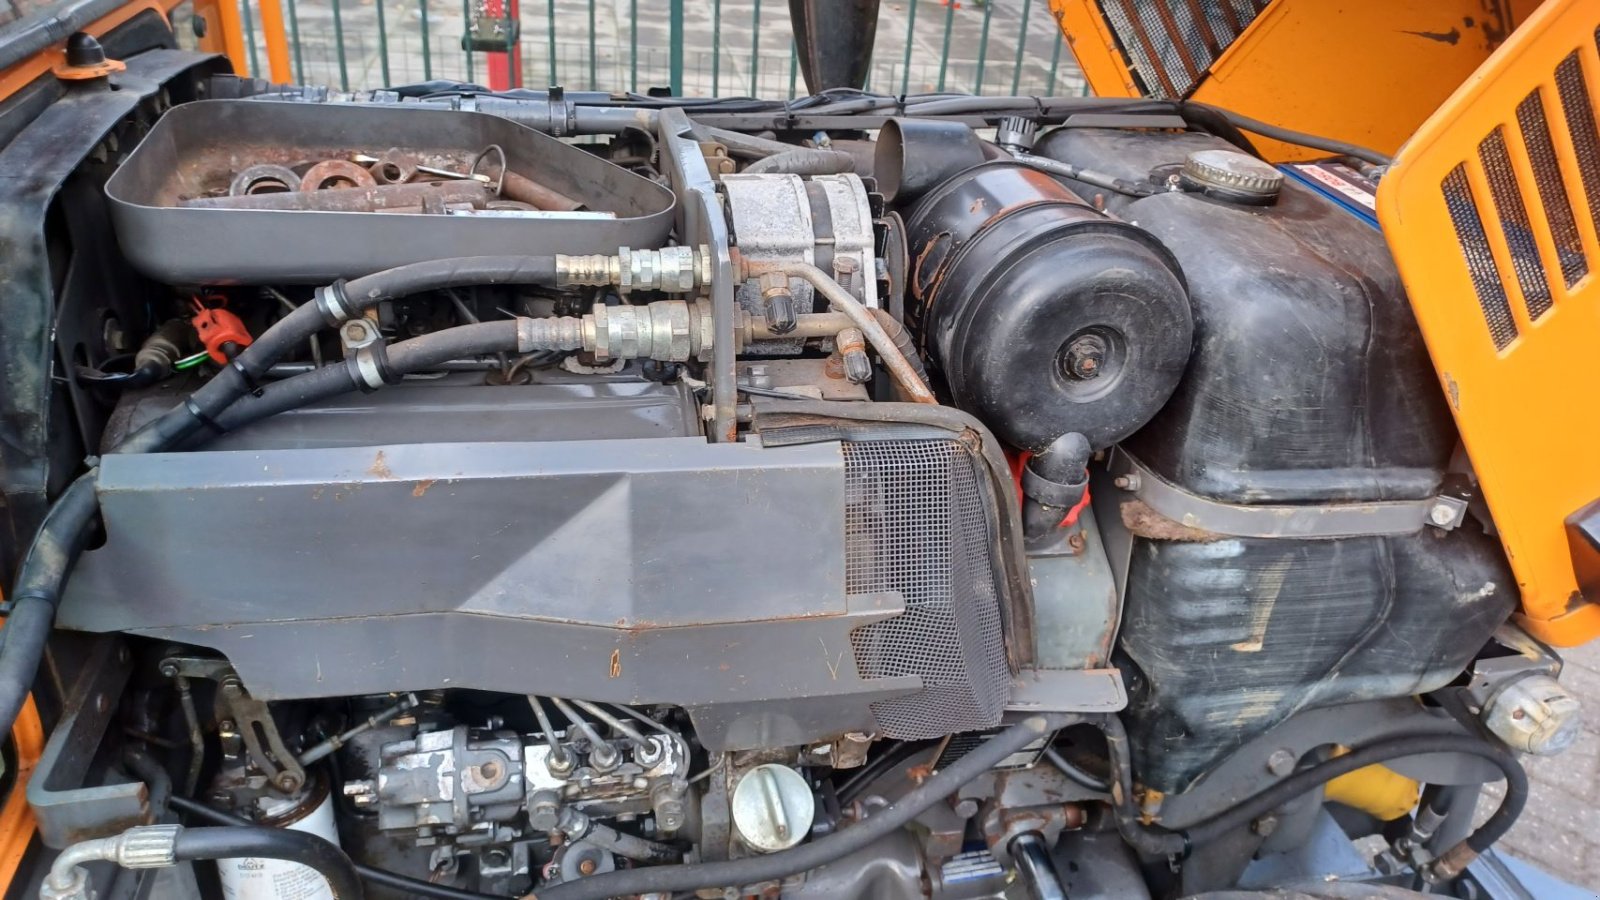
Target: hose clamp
column 334, row 304
column 370, row 368
column 1051, row 493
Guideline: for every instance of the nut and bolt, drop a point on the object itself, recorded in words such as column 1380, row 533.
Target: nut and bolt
column 1442, row 514
column 1085, row 357
column 1128, row 482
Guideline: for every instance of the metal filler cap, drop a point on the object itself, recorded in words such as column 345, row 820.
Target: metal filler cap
column 1231, row 175
column 773, row 808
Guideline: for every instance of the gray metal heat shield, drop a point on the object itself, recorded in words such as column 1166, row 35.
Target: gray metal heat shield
column 639, row 570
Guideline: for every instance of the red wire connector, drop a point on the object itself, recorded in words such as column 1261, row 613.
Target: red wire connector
column 217, row 329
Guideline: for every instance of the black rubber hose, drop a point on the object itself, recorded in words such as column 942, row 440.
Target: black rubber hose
column 56, row 546
column 751, row 870
column 380, row 877
column 1157, row 841
column 66, row 527
column 1300, row 138
column 241, row 376
column 259, row 841
column 406, row 357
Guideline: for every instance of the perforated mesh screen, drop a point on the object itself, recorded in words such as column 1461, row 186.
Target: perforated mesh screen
column 1579, row 115
column 1535, row 128
column 1514, row 223
column 916, row 523
column 1480, row 259
column 1170, row 44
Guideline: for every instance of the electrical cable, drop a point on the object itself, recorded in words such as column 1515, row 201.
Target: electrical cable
column 369, row 874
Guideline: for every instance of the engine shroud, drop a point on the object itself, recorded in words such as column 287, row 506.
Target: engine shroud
column 740, row 581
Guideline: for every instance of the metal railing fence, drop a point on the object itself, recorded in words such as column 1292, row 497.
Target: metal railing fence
column 690, row 47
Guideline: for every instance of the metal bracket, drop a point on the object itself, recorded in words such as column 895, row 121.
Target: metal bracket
column 66, row 811
column 1324, row 520
column 252, row 717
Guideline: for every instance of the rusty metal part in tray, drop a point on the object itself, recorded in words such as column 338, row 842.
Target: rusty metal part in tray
column 173, row 220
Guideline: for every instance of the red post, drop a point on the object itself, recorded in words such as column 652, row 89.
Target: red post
column 505, row 69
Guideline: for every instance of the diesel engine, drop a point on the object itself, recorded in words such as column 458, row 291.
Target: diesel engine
column 457, row 494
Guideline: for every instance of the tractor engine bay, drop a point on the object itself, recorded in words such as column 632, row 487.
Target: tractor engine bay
column 545, row 496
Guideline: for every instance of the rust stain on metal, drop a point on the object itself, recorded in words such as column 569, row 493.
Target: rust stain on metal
column 1145, row 522
column 616, row 664
column 422, row 486
column 380, row 467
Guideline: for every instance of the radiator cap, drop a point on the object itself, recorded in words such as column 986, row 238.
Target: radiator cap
column 1231, row 175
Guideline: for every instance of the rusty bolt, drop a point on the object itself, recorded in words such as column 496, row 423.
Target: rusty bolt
column 1076, row 541
column 587, row 866
column 490, row 771
column 1085, row 357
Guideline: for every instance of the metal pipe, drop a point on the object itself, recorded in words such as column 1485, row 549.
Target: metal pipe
column 601, row 753
column 558, row 752
column 197, row 743
column 332, row 744
column 628, row 731
column 904, row 373
column 1035, row 868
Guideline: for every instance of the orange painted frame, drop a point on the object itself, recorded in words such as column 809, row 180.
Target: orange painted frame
column 1322, row 68
column 16, row 816
column 1529, row 413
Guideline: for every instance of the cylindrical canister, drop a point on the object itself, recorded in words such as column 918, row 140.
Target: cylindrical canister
column 251, row 878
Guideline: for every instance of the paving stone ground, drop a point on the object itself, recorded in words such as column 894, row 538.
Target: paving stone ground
column 1560, row 829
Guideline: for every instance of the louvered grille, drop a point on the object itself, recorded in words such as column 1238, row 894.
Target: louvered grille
column 1492, row 210
column 1170, row 44
column 1506, row 263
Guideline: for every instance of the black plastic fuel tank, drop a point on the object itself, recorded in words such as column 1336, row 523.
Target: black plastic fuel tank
column 1309, row 384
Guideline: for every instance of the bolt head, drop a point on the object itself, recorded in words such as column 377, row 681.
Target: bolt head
column 1281, row 762
column 1441, row 514
column 1085, row 357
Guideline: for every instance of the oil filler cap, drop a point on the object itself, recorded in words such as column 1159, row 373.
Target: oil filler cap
column 1233, row 176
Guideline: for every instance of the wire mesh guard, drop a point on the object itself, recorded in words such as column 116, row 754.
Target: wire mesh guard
column 916, row 524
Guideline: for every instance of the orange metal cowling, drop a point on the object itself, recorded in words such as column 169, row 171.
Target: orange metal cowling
column 1492, row 211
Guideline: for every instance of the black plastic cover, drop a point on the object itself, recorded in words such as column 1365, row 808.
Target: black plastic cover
column 1012, row 273
column 1310, row 380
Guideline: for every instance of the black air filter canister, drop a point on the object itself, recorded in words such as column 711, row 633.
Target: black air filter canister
column 1043, row 314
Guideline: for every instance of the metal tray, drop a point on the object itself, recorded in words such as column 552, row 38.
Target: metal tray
column 196, row 147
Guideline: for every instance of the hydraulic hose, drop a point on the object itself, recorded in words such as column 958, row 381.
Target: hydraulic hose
column 1159, row 841
column 336, row 303
column 56, row 546
column 258, row 841
column 751, row 870
column 65, row 529
column 418, row 354
column 412, row 886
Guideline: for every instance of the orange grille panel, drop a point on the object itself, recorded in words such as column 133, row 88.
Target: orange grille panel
column 1493, row 213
